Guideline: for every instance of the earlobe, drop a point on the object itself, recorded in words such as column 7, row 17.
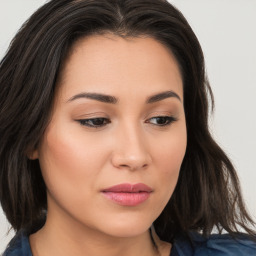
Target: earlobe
column 33, row 155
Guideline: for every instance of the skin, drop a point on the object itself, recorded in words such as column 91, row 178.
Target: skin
column 133, row 146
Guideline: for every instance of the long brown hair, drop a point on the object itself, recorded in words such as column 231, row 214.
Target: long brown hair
column 207, row 194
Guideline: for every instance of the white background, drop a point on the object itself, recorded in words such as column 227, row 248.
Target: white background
column 227, row 32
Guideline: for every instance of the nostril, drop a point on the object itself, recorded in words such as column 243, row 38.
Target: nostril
column 134, row 167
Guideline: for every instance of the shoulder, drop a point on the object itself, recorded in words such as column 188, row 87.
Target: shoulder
column 217, row 245
column 19, row 246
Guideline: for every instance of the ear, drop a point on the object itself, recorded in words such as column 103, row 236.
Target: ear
column 32, row 154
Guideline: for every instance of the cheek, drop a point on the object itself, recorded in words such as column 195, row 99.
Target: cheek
column 170, row 152
column 169, row 156
column 67, row 161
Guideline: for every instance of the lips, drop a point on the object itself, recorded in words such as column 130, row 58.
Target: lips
column 128, row 194
column 129, row 188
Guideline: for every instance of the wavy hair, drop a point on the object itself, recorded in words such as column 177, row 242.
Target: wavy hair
column 207, row 194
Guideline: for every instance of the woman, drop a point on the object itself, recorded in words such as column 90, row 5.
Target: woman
column 105, row 147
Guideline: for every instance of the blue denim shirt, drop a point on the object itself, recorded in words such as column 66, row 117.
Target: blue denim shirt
column 215, row 245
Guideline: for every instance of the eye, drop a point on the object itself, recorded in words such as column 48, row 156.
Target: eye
column 162, row 120
column 94, row 122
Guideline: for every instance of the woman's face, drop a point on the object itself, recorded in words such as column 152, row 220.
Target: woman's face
column 111, row 154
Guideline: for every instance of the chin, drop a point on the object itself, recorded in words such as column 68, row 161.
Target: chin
column 126, row 226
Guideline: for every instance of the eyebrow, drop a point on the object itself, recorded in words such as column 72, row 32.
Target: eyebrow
column 113, row 100
column 162, row 96
column 95, row 96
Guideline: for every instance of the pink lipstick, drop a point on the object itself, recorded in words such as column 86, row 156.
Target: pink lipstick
column 128, row 194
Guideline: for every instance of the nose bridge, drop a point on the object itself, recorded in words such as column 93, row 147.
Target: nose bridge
column 131, row 149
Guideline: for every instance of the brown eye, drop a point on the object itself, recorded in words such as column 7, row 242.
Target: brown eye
column 94, row 122
column 162, row 120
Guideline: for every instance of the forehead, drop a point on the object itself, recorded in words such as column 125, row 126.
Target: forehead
column 106, row 62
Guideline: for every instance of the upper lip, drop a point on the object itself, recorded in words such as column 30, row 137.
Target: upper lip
column 129, row 188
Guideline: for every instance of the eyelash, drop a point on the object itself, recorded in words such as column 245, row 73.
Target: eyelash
column 85, row 122
column 168, row 120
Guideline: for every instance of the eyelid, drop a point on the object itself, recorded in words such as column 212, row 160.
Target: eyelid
column 91, row 115
column 160, row 113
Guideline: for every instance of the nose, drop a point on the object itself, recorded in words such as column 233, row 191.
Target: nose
column 131, row 150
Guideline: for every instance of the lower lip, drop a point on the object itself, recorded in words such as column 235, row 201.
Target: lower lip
column 127, row 199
